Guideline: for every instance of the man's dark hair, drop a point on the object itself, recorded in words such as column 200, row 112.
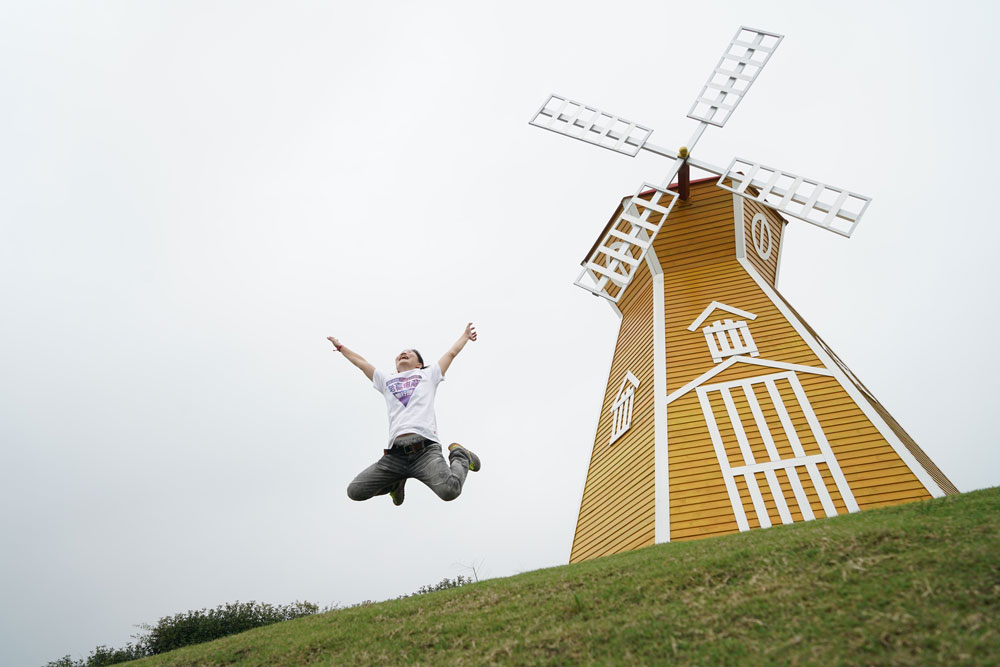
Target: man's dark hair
column 419, row 358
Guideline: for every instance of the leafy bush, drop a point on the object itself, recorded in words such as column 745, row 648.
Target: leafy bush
column 102, row 655
column 195, row 627
column 444, row 584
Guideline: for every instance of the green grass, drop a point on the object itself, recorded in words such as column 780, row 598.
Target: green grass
column 913, row 584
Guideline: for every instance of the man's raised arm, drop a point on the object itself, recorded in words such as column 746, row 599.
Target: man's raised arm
column 354, row 357
column 449, row 356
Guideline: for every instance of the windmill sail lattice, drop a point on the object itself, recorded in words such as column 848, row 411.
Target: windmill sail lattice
column 831, row 208
column 738, row 68
column 611, row 265
column 579, row 121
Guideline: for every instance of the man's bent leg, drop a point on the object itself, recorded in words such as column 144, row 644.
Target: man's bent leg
column 444, row 479
column 377, row 479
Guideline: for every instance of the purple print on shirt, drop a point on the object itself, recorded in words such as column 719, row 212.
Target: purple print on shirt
column 402, row 388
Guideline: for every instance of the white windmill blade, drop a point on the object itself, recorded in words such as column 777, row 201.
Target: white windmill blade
column 738, row 68
column 835, row 209
column 586, row 123
column 612, row 262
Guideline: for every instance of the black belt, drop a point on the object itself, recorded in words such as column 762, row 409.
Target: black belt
column 406, row 450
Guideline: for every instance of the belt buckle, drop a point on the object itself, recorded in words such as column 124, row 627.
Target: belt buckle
column 412, row 448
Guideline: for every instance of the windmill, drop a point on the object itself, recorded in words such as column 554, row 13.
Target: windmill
column 711, row 424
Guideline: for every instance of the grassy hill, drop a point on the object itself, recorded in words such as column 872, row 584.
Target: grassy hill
column 918, row 583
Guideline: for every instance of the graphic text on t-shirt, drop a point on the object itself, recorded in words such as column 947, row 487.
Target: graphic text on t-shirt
column 402, row 388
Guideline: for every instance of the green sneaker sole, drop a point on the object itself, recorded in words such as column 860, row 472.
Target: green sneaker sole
column 398, row 494
column 475, row 465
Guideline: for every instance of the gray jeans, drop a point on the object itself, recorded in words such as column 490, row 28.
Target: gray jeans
column 428, row 465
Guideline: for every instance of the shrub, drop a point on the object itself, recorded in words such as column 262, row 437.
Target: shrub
column 192, row 627
column 444, row 584
column 195, row 627
column 102, row 655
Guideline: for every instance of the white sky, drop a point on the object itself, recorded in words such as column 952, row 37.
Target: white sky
column 194, row 194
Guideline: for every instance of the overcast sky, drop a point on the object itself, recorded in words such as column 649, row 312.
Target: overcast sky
column 193, row 195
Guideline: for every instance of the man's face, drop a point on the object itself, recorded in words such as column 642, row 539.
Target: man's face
column 407, row 361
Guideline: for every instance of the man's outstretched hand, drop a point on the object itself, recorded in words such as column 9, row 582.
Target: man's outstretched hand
column 336, row 343
column 449, row 356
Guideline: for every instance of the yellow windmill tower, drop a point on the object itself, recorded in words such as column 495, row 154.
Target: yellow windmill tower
column 724, row 411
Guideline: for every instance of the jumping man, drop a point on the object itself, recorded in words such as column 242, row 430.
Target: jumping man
column 414, row 448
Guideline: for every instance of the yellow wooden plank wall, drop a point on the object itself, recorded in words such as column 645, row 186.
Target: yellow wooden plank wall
column 617, row 510
column 689, row 292
column 699, row 231
column 875, row 473
column 768, row 269
column 699, row 503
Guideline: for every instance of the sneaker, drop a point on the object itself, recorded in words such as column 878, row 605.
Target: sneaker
column 474, row 463
column 398, row 492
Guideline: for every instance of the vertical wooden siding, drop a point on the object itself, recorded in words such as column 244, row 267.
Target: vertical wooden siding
column 617, row 510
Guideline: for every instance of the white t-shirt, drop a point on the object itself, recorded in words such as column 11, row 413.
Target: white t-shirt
column 409, row 396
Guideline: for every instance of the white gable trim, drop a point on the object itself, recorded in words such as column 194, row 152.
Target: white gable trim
column 721, row 306
column 767, row 363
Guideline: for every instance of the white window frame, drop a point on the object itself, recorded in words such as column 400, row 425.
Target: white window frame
column 727, row 338
column 621, row 409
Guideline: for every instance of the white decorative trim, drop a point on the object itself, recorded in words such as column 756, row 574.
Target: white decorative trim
column 661, row 461
column 740, row 231
column 621, row 409
column 784, row 513
column 781, row 249
column 775, row 463
column 720, row 454
column 761, row 223
column 721, row 306
column 767, row 363
column 791, row 466
column 851, row 389
column 728, row 338
column 824, row 446
column 653, row 262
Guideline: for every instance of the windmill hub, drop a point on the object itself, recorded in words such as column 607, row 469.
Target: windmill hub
column 683, row 153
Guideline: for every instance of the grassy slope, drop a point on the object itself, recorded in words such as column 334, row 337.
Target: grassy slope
column 918, row 583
